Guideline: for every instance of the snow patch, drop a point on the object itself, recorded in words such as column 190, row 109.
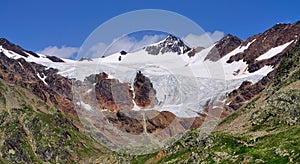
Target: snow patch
column 274, row 51
column 42, row 78
column 84, row 106
column 89, row 91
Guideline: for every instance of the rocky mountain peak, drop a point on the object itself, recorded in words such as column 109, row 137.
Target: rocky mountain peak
column 170, row 44
column 227, row 44
column 11, row 47
column 15, row 48
column 276, row 36
column 261, row 44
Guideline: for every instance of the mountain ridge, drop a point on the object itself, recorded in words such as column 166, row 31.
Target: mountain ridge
column 276, row 49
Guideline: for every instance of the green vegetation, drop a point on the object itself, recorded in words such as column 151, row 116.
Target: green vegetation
column 30, row 136
column 142, row 158
column 38, row 133
column 289, row 69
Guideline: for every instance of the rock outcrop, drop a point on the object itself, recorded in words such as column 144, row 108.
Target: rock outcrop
column 223, row 47
column 144, row 93
column 170, row 44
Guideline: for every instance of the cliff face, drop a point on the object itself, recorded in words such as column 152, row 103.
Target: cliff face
column 113, row 95
column 144, row 91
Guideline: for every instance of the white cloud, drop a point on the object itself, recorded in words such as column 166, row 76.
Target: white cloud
column 125, row 43
column 62, row 52
column 203, row 40
column 97, row 50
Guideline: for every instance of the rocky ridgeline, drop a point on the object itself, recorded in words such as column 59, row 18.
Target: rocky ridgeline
column 274, row 37
column 170, row 44
column 223, row 47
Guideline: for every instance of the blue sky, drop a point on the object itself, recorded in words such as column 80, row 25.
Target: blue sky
column 36, row 24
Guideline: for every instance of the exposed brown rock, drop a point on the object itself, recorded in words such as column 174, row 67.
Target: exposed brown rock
column 57, row 91
column 55, row 59
column 127, row 121
column 159, row 122
column 15, row 48
column 274, row 37
column 223, row 47
column 152, row 122
column 194, row 51
column 144, row 91
column 113, row 95
column 247, row 91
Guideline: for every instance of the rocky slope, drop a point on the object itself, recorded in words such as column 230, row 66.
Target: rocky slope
column 43, row 82
column 223, row 47
column 265, row 130
column 34, row 132
column 278, row 35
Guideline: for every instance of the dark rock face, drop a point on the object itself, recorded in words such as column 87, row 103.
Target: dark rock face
column 170, row 44
column 55, row 59
column 144, row 91
column 159, row 122
column 153, row 122
column 247, row 91
column 123, row 52
column 223, row 47
column 113, row 95
column 194, row 51
column 127, row 121
column 25, row 53
column 15, row 48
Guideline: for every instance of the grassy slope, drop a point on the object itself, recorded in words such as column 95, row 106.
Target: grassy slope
column 33, row 132
column 266, row 130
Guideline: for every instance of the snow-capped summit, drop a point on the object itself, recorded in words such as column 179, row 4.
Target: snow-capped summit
column 16, row 52
column 171, row 66
column 170, row 44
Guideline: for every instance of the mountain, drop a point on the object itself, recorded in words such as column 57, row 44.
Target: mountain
column 140, row 94
column 16, row 52
column 265, row 130
column 223, row 47
column 170, row 45
column 266, row 50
